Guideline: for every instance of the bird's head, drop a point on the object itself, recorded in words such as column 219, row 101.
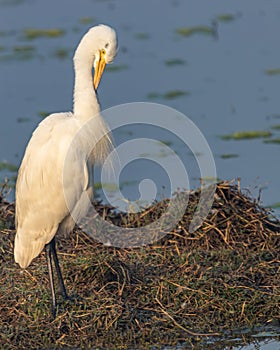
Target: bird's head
column 99, row 45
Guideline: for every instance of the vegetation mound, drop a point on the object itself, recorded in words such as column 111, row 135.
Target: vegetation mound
column 179, row 290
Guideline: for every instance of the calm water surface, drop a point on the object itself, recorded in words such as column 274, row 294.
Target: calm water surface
column 225, row 81
column 224, row 77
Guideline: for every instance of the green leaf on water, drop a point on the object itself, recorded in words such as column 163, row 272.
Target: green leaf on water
column 166, row 143
column 61, row 53
column 188, row 31
column 142, row 36
column 109, row 187
column 275, row 205
column 272, row 71
column 23, row 52
column 275, row 127
column 43, row 114
column 274, row 140
column 32, row 33
column 229, row 155
column 8, row 166
column 23, row 120
column 275, row 116
column 116, row 68
column 86, row 20
column 24, row 48
column 169, row 95
column 246, row 135
column 174, row 62
column 226, row 17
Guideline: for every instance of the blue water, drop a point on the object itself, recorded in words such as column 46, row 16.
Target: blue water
column 224, row 74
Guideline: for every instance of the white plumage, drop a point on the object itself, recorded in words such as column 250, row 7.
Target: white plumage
column 56, row 173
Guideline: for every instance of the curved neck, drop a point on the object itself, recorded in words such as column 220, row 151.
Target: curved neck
column 85, row 99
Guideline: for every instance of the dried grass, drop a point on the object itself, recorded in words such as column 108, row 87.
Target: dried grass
column 180, row 289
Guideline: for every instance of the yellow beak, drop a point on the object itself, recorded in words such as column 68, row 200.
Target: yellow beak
column 98, row 71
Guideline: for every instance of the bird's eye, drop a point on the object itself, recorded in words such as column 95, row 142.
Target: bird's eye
column 106, row 45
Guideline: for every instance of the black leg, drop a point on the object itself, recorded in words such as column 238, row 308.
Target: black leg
column 50, row 268
column 51, row 255
column 58, row 270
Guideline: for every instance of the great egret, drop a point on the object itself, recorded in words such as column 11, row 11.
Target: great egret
column 42, row 186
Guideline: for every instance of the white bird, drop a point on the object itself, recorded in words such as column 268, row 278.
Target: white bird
column 55, row 175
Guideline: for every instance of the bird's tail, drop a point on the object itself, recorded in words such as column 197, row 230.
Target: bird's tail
column 26, row 250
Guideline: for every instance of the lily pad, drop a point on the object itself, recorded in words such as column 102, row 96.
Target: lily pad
column 275, row 205
column 24, row 48
column 229, row 155
column 33, row 33
column 174, row 62
column 275, row 116
column 61, row 53
column 109, row 187
column 169, row 95
column 43, row 114
column 142, row 36
column 275, row 127
column 23, row 120
column 188, row 31
column 274, row 140
column 226, row 17
column 86, row 20
column 128, row 183
column 23, row 52
column 11, row 2
column 116, row 68
column 8, row 166
column 246, row 135
column 272, row 71
column 166, row 143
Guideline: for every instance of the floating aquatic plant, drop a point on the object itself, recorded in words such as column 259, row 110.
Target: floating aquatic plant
column 274, row 140
column 275, row 205
column 116, row 68
column 87, row 20
column 23, row 52
column 226, row 17
column 24, row 48
column 142, row 36
column 8, row 166
column 275, row 127
column 169, row 95
column 229, row 155
column 174, row 62
column 23, row 120
column 33, row 33
column 188, row 31
column 272, row 71
column 245, row 135
column 108, row 187
column 61, row 53
column 43, row 114
column 166, row 143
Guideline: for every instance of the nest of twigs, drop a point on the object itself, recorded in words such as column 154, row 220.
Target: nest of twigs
column 178, row 290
